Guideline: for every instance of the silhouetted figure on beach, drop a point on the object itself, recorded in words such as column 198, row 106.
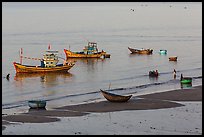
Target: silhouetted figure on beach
column 7, row 76
column 156, row 72
column 181, row 76
column 174, row 73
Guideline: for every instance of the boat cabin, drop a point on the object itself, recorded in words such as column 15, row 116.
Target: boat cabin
column 91, row 48
column 50, row 59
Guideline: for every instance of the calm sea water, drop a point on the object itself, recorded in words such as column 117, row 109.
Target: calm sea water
column 114, row 26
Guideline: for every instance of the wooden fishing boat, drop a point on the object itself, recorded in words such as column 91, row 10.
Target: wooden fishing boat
column 48, row 64
column 141, row 51
column 90, row 51
column 114, row 97
column 186, row 80
column 173, row 58
column 37, row 104
column 163, row 51
column 39, row 69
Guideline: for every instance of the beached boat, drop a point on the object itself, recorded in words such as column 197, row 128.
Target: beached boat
column 141, row 51
column 163, row 51
column 36, row 104
column 186, row 80
column 173, row 58
column 48, row 64
column 114, row 97
column 90, row 51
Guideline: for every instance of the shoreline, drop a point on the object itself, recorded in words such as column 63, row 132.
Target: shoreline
column 173, row 99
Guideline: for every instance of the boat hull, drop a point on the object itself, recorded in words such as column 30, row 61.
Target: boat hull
column 38, row 69
column 163, row 51
column 35, row 104
column 172, row 58
column 115, row 98
column 186, row 80
column 70, row 54
column 142, row 51
column 186, row 85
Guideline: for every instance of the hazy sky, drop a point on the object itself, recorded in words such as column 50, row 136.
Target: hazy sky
column 95, row 16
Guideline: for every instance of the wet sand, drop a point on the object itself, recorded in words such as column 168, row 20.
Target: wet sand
column 24, row 118
column 156, row 101
column 192, row 94
column 133, row 104
column 43, row 116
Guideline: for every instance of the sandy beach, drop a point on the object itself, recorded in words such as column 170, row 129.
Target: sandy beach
column 171, row 112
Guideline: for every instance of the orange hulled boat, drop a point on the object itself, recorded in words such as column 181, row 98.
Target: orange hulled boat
column 48, row 64
column 90, row 51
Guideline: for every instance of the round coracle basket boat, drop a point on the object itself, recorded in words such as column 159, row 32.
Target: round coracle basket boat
column 163, row 51
column 37, row 104
column 186, row 80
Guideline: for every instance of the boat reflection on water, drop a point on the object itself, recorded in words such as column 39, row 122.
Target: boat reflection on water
column 47, row 79
column 153, row 78
column 89, row 64
column 186, row 85
column 43, row 76
column 140, row 55
column 88, row 61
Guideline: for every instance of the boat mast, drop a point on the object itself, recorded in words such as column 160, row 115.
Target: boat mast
column 21, row 57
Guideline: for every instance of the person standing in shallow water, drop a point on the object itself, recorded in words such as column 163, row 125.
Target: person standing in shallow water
column 174, row 73
column 7, row 76
column 181, row 76
column 156, row 73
